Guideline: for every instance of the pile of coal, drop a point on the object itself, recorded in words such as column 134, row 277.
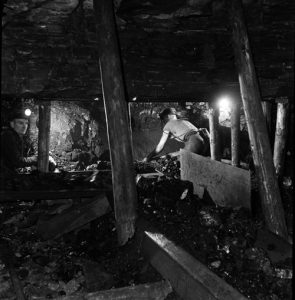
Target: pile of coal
column 169, row 166
column 146, row 187
column 161, row 195
column 222, row 238
column 141, row 167
column 168, row 191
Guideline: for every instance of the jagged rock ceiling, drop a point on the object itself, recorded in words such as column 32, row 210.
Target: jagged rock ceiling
column 170, row 48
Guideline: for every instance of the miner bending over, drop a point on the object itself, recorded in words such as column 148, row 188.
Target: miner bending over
column 195, row 140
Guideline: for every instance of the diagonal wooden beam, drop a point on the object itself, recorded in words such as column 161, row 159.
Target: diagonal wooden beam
column 124, row 188
column 260, row 145
column 189, row 278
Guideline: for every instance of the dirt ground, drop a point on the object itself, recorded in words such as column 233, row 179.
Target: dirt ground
column 224, row 239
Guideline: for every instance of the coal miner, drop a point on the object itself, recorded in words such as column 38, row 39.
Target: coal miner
column 13, row 146
column 195, row 140
column 13, row 152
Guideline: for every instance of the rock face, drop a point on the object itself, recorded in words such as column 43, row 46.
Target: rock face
column 180, row 49
column 74, row 127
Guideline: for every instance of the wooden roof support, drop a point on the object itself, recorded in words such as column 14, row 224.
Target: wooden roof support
column 260, row 145
column 213, row 116
column 235, row 133
column 189, row 278
column 280, row 137
column 124, row 188
column 44, row 137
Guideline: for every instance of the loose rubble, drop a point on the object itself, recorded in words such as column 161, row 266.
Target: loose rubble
column 221, row 238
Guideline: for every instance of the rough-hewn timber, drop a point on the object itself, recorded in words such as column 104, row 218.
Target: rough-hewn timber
column 226, row 185
column 281, row 137
column 235, row 133
column 190, row 278
column 213, row 116
column 124, row 189
column 43, row 137
column 262, row 156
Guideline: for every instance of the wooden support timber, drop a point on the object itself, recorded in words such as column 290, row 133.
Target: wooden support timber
column 43, row 137
column 213, row 113
column 73, row 217
column 189, row 278
column 154, row 291
column 260, row 145
column 280, row 137
column 148, row 291
column 130, row 125
column 11, row 196
column 124, row 188
column 235, row 133
column 226, row 185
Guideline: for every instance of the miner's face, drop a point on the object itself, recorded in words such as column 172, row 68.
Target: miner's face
column 20, row 125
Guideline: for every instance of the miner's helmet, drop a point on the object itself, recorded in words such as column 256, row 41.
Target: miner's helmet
column 23, row 113
column 167, row 111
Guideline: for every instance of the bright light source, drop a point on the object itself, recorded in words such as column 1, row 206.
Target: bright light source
column 134, row 98
column 28, row 112
column 224, row 104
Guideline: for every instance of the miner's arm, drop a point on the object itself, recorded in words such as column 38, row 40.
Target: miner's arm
column 159, row 147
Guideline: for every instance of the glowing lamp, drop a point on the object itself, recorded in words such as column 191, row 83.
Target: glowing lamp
column 28, row 112
column 224, row 104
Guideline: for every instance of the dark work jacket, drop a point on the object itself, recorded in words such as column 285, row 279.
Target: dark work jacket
column 12, row 148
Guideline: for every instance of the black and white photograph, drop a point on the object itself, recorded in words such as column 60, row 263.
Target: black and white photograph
column 147, row 149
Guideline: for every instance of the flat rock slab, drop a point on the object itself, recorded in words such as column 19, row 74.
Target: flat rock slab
column 226, row 185
column 73, row 217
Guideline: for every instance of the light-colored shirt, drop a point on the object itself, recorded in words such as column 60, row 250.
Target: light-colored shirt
column 179, row 129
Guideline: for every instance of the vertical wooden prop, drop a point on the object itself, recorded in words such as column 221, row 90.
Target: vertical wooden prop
column 266, row 107
column 124, row 188
column 44, row 136
column 130, row 125
column 213, row 115
column 235, row 133
column 260, row 145
column 280, row 137
column 130, row 117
